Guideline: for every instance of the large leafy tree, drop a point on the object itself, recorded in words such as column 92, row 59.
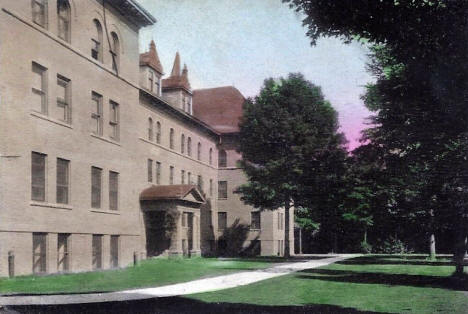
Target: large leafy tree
column 422, row 101
column 286, row 133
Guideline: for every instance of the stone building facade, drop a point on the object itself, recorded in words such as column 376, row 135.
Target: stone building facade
column 102, row 159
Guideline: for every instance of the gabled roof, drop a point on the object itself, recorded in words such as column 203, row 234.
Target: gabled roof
column 185, row 192
column 134, row 12
column 151, row 59
column 220, row 107
column 177, row 79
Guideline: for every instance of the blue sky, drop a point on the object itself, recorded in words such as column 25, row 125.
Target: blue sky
column 242, row 42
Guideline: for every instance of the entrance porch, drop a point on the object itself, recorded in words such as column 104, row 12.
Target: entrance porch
column 171, row 216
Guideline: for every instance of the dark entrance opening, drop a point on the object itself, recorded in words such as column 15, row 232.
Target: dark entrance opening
column 156, row 236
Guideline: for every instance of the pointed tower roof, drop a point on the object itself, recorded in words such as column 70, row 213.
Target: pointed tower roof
column 177, row 79
column 151, row 58
column 176, row 66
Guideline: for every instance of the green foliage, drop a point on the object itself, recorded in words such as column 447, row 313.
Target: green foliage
column 393, row 246
column 366, row 248
column 286, row 134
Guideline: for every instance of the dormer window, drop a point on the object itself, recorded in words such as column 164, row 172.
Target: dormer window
column 115, row 52
column 96, row 42
column 39, row 12
column 63, row 15
column 151, row 80
column 157, row 81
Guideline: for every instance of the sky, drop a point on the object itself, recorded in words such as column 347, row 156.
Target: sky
column 243, row 42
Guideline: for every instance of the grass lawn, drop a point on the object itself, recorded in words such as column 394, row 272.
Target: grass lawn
column 149, row 273
column 388, row 284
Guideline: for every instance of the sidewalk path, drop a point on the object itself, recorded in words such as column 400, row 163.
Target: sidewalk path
column 191, row 287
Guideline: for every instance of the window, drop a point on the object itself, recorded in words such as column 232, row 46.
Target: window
column 182, row 177
column 63, row 181
column 39, row 12
column 96, row 179
column 97, row 251
column 280, row 221
column 222, row 189
column 39, row 253
column 222, row 220
column 171, row 175
column 150, row 170
column 39, row 88
column 182, row 143
column 255, row 222
column 158, row 172
column 96, row 42
column 211, row 156
column 114, row 251
column 96, row 114
column 199, row 151
column 158, row 132
column 171, row 138
column 158, row 85
column 114, row 120
column 189, row 178
column 38, row 177
column 63, row 17
column 115, row 52
column 150, row 130
column 200, row 183
column 151, row 80
column 64, row 98
column 113, row 190
column 183, row 103
column 63, row 253
column 222, row 159
column 189, row 146
column 189, row 105
column 211, row 187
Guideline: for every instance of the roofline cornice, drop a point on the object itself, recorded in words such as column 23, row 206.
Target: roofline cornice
column 179, row 113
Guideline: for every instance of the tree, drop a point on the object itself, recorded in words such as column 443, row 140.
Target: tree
column 285, row 132
column 423, row 97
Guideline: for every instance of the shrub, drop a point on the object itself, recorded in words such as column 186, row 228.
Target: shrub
column 393, row 246
column 366, row 248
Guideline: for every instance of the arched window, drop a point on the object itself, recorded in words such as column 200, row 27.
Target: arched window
column 39, row 12
column 222, row 159
column 150, row 130
column 96, row 41
column 171, row 138
column 115, row 52
column 182, row 143
column 158, row 132
column 189, row 146
column 199, row 151
column 211, row 156
column 64, row 18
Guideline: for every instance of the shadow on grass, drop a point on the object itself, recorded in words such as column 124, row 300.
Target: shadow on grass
column 177, row 305
column 274, row 259
column 450, row 283
column 396, row 260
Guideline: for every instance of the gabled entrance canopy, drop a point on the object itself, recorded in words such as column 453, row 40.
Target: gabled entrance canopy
column 183, row 192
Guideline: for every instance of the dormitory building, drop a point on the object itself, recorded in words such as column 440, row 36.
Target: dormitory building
column 104, row 158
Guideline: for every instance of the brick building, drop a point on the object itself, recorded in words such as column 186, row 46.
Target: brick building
column 102, row 157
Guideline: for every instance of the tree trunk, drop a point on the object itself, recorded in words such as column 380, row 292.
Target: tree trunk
column 286, row 229
column 365, row 235
column 460, row 249
column 432, row 247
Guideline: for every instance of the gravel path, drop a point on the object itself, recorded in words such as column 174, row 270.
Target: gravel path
column 191, row 287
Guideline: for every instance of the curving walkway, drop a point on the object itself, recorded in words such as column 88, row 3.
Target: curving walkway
column 191, row 287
